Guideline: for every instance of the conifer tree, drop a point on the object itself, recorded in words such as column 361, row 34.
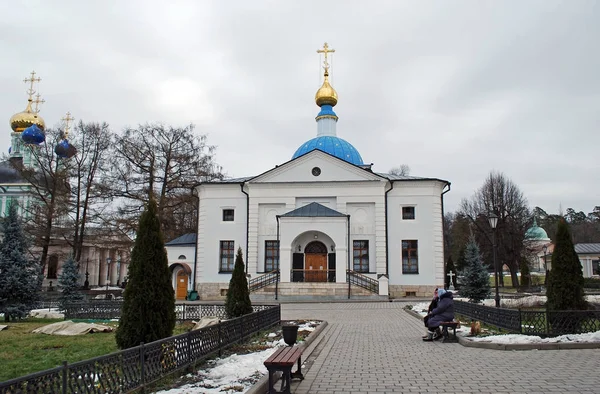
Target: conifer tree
column 148, row 312
column 20, row 277
column 476, row 285
column 68, row 283
column 450, row 267
column 238, row 297
column 565, row 280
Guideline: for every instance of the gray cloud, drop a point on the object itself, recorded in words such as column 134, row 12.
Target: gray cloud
column 453, row 89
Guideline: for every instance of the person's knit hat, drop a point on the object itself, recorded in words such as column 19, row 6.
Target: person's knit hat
column 440, row 292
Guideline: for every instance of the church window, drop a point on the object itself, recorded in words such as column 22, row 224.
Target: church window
column 181, row 257
column 361, row 256
column 410, row 259
column 408, row 213
column 226, row 256
column 52, row 267
column 228, row 215
column 271, row 256
column 316, row 171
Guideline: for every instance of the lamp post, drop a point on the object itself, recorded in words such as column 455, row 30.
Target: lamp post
column 86, row 284
column 493, row 219
column 108, row 261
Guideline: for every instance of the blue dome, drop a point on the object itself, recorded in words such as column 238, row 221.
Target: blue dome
column 334, row 146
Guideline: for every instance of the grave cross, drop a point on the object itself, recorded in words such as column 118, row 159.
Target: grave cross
column 450, row 275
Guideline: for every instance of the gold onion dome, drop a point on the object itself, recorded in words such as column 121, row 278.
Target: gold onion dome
column 326, row 95
column 22, row 120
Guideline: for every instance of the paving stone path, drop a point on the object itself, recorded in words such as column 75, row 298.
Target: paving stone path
column 377, row 348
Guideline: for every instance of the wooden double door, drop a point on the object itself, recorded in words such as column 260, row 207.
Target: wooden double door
column 314, row 265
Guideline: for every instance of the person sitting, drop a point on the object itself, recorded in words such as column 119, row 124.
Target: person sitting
column 432, row 306
column 443, row 312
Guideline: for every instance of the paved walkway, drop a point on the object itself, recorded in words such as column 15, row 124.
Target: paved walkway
column 377, row 348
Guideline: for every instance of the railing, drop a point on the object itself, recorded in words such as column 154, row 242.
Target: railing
column 528, row 322
column 313, row 275
column 264, row 280
column 360, row 280
column 137, row 367
column 106, row 310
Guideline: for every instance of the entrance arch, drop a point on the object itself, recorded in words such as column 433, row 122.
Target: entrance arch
column 181, row 276
column 315, row 262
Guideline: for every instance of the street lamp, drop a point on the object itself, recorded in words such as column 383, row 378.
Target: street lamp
column 108, row 261
column 493, row 219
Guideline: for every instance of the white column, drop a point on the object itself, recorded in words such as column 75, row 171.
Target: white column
column 285, row 264
column 341, row 264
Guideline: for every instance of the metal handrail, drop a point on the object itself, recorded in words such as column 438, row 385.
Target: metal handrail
column 301, row 275
column 263, row 280
column 360, row 280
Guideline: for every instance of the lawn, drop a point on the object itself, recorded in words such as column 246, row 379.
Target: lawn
column 23, row 353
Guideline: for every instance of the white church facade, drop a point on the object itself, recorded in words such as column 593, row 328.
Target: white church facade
column 320, row 220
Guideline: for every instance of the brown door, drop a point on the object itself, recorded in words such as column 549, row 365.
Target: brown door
column 315, row 266
column 182, row 282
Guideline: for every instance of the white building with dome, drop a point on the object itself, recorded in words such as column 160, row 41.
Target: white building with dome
column 323, row 224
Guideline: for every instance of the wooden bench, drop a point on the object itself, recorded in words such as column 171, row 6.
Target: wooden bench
column 445, row 334
column 283, row 360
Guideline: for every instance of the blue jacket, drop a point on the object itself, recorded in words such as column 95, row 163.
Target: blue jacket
column 443, row 312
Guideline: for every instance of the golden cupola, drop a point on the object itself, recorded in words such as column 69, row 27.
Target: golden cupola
column 22, row 120
column 326, row 95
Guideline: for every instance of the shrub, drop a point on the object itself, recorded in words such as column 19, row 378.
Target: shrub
column 238, row 297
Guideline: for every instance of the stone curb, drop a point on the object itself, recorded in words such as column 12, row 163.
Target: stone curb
column 261, row 386
column 467, row 342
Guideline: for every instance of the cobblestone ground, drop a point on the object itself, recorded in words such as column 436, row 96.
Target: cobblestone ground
column 377, row 348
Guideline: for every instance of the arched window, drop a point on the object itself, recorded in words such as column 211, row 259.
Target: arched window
column 181, row 257
column 315, row 247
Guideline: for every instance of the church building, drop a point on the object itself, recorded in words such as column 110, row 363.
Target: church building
column 322, row 224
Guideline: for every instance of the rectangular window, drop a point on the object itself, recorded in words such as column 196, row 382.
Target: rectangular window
column 271, row 256
column 410, row 257
column 361, row 256
column 228, row 215
column 408, row 213
column 226, row 256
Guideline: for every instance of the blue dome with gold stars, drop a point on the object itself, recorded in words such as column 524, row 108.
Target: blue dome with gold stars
column 335, row 146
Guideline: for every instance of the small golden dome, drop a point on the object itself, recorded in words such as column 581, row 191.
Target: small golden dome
column 22, row 120
column 326, row 95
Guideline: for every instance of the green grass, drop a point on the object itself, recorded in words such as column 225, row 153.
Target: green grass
column 536, row 280
column 23, row 353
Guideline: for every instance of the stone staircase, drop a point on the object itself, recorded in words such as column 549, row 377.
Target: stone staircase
column 314, row 292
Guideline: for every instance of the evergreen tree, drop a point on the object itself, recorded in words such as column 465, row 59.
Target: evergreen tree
column 476, row 285
column 565, row 280
column 450, row 267
column 20, row 278
column 525, row 273
column 148, row 312
column 68, row 283
column 460, row 262
column 238, row 297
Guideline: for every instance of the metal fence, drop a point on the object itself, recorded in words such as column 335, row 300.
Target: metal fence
column 135, row 368
column 529, row 322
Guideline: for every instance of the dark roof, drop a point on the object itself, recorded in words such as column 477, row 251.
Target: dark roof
column 313, row 210
column 185, row 239
column 587, row 248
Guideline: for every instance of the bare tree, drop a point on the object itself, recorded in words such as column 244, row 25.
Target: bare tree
column 403, row 170
column 501, row 196
column 49, row 186
column 163, row 162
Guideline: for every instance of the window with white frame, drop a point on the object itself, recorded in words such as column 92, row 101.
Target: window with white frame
column 408, row 213
column 226, row 254
column 271, row 256
column 361, row 255
column 410, row 257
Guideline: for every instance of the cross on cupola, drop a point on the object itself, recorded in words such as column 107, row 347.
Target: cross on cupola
column 67, row 120
column 325, row 51
column 37, row 102
column 31, row 80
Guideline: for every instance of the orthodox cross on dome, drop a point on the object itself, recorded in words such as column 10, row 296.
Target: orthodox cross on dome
column 67, row 119
column 31, row 80
column 325, row 51
column 37, row 102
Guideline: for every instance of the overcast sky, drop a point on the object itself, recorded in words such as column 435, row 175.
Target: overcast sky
column 454, row 89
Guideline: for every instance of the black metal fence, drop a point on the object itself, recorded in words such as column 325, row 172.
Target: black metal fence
column 529, row 322
column 135, row 368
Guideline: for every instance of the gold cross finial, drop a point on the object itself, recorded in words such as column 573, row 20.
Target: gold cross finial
column 31, row 80
column 37, row 102
column 325, row 51
column 67, row 119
